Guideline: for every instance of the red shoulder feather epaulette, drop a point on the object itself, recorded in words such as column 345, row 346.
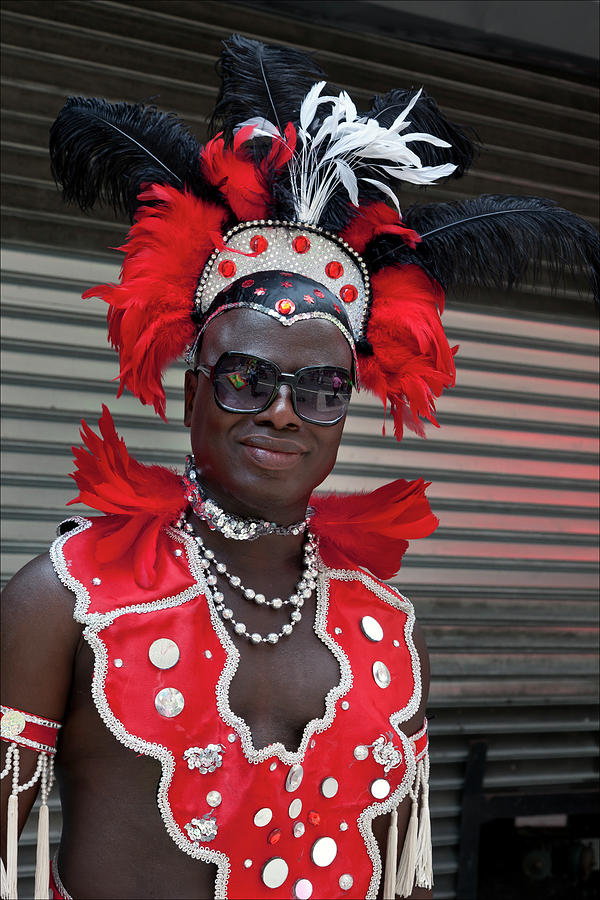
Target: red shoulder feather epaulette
column 368, row 530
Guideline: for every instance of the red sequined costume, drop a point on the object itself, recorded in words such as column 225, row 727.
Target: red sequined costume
column 219, row 796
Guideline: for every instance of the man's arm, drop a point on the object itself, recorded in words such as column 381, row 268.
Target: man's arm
column 39, row 642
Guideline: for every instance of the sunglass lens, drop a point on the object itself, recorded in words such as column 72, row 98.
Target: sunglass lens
column 243, row 383
column 323, row 394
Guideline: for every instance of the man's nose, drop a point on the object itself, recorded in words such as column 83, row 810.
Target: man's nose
column 280, row 413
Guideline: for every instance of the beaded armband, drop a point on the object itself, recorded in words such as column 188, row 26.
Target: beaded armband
column 27, row 730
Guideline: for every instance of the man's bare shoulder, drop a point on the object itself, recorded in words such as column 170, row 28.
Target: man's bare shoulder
column 39, row 639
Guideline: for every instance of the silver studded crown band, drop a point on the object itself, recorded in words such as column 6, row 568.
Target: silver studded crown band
column 264, row 245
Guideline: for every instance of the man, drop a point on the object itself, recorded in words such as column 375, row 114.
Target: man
column 272, row 691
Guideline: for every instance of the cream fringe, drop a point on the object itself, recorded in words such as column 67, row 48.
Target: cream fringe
column 43, row 772
column 391, row 856
column 416, row 865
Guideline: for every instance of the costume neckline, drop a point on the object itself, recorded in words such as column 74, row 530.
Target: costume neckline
column 314, row 726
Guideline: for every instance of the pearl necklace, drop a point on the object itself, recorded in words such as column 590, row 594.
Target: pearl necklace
column 304, row 588
column 235, row 527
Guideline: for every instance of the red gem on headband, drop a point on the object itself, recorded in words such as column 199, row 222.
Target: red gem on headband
column 285, row 307
column 319, row 293
column 334, row 269
column 348, row 293
column 227, row 268
column 259, row 243
column 301, row 244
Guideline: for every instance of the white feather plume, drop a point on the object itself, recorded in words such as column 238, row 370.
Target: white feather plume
column 345, row 148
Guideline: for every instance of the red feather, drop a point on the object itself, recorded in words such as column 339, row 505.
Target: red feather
column 372, row 530
column 246, row 186
column 412, row 362
column 378, row 218
column 142, row 499
column 149, row 311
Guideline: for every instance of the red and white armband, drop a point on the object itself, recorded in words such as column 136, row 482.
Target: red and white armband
column 23, row 729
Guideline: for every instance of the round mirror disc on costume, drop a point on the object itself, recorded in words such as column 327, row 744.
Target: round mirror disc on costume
column 302, row 889
column 295, row 808
column 294, row 778
column 361, row 752
column 263, row 817
column 323, row 852
column 274, row 872
column 380, row 788
column 371, row 628
column 163, row 653
column 346, row 881
column 169, row 702
column 213, row 798
column 329, row 787
column 381, row 674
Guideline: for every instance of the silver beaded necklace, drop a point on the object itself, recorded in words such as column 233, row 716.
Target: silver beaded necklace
column 305, row 586
column 231, row 526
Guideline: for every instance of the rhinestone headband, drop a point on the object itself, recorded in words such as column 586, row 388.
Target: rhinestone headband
column 266, row 244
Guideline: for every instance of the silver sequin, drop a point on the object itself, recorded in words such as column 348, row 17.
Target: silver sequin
column 343, row 826
column 323, row 852
column 274, row 872
column 248, row 863
column 295, row 808
column 346, row 881
column 96, row 581
column 396, row 643
column 329, row 787
column 208, row 654
column 213, row 798
column 205, row 759
column 273, row 766
column 163, row 653
column 361, row 751
column 169, row 702
column 204, row 829
column 298, row 829
column 118, row 663
column 381, row 674
column 371, row 628
column 263, row 817
column 380, row 788
column 294, row 778
column 337, row 630
column 344, row 704
column 231, row 738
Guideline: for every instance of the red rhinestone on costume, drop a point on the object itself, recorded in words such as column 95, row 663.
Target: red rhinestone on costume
column 348, row 293
column 301, row 244
column 319, row 293
column 334, row 269
column 308, row 299
column 313, row 817
column 274, row 836
column 259, row 243
column 248, row 282
column 336, row 307
column 227, row 268
column 285, row 307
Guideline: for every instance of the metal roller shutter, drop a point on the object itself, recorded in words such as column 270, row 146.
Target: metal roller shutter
column 506, row 588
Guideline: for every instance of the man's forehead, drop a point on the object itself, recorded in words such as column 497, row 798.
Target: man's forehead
column 301, row 343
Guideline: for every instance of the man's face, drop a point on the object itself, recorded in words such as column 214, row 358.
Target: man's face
column 267, row 463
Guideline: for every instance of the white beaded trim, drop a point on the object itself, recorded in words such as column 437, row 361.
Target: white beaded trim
column 365, row 819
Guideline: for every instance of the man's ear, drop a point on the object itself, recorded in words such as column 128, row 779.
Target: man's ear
column 190, row 388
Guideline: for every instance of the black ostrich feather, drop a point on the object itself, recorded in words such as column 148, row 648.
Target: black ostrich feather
column 495, row 241
column 101, row 153
column 261, row 80
column 425, row 116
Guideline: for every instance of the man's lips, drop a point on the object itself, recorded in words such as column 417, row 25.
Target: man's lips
column 272, row 453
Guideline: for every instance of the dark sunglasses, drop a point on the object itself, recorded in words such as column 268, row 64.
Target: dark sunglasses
column 248, row 384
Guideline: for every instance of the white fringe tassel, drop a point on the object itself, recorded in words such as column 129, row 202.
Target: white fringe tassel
column 424, row 849
column 42, row 861
column 3, row 882
column 391, row 857
column 405, row 878
column 12, row 841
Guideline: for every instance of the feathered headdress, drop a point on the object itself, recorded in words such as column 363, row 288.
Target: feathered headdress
column 298, row 179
